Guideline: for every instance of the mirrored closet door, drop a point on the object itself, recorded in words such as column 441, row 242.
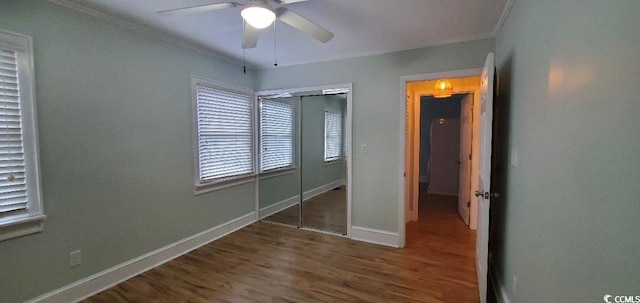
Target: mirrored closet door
column 323, row 167
column 303, row 169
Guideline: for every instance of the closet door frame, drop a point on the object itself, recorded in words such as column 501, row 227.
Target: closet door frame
column 348, row 137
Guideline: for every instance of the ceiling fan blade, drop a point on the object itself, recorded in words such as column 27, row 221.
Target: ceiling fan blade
column 249, row 36
column 303, row 24
column 200, row 8
column 288, row 1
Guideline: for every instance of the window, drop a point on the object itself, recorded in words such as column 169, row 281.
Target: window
column 276, row 135
column 332, row 135
column 224, row 127
column 20, row 203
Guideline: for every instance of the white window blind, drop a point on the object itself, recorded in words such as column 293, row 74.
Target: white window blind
column 225, row 144
column 332, row 135
column 276, row 135
column 13, row 188
column 20, row 201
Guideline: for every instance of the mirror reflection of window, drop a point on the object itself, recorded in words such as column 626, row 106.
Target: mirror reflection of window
column 332, row 135
column 276, row 135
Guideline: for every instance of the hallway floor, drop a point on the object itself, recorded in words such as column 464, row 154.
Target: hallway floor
column 441, row 236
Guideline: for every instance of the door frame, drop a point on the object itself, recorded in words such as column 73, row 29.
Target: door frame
column 402, row 207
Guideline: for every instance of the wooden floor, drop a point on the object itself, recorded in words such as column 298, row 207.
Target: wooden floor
column 270, row 263
column 326, row 212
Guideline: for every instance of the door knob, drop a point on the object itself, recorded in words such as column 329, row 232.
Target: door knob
column 486, row 195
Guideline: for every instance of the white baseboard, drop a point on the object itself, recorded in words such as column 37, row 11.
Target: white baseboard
column 322, row 189
column 498, row 287
column 375, row 236
column 279, row 206
column 284, row 204
column 98, row 282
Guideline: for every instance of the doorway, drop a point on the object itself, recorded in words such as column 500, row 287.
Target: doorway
column 440, row 145
column 480, row 162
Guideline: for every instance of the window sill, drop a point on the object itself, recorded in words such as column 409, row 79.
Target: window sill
column 21, row 226
column 333, row 162
column 278, row 172
column 214, row 186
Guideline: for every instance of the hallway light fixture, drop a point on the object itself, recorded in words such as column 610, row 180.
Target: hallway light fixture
column 443, row 89
column 258, row 14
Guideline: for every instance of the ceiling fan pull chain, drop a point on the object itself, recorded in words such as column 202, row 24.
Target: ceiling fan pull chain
column 275, row 45
column 244, row 51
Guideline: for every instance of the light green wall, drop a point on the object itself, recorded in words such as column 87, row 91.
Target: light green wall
column 315, row 172
column 114, row 117
column 377, row 104
column 568, row 221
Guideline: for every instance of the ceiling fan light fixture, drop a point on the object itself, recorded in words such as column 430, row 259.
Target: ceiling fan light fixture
column 258, row 14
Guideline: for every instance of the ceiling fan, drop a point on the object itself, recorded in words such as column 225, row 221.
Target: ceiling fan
column 258, row 15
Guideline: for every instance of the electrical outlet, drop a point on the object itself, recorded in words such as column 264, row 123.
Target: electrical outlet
column 364, row 148
column 514, row 157
column 75, row 258
column 515, row 284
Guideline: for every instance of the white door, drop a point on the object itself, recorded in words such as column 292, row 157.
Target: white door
column 484, row 174
column 443, row 161
column 464, row 184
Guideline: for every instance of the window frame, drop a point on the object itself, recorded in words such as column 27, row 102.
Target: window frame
column 341, row 133
column 30, row 220
column 292, row 165
column 224, row 182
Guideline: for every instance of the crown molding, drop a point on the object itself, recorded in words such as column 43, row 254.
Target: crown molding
column 148, row 31
column 373, row 53
column 503, row 17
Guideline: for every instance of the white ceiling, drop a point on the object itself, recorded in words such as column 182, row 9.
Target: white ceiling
column 361, row 27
